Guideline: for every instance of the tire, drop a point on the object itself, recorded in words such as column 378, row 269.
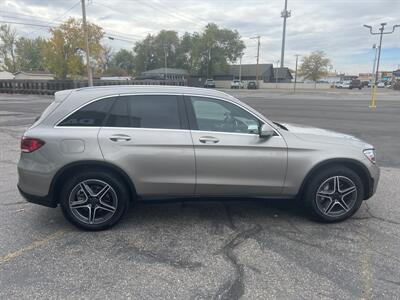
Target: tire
column 79, row 202
column 323, row 205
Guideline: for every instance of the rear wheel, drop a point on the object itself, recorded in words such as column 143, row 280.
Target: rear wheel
column 334, row 194
column 94, row 200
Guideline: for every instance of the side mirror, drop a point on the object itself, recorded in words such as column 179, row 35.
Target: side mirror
column 266, row 131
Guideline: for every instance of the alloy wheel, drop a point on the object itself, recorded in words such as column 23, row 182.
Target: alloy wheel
column 93, row 201
column 336, row 196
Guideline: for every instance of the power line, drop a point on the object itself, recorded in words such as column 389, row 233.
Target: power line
column 21, row 23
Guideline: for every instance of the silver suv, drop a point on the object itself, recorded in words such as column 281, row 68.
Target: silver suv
column 95, row 150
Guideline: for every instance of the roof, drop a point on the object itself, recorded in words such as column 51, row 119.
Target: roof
column 282, row 73
column 247, row 69
column 169, row 71
column 34, row 73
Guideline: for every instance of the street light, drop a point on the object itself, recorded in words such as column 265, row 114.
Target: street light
column 381, row 32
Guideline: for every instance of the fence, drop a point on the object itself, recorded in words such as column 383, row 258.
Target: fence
column 49, row 87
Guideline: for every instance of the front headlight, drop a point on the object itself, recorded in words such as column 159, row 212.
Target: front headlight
column 370, row 154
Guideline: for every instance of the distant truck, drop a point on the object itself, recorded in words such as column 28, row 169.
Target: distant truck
column 236, row 84
column 355, row 84
column 210, row 83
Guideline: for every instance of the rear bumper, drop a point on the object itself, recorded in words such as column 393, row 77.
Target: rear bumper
column 41, row 200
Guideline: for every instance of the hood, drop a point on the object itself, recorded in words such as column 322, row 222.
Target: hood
column 314, row 134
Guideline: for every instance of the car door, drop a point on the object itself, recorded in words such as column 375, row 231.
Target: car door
column 148, row 137
column 231, row 158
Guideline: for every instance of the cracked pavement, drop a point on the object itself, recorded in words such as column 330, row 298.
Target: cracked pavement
column 242, row 249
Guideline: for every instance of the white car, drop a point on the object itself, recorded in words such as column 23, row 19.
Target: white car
column 236, row 84
column 381, row 84
column 345, row 85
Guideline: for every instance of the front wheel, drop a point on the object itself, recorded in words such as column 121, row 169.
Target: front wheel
column 94, row 200
column 334, row 194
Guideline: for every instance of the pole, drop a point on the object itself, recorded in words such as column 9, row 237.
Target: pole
column 284, row 14
column 295, row 78
column 165, row 63
column 373, row 70
column 85, row 36
column 276, row 75
column 258, row 58
column 381, row 33
column 240, row 71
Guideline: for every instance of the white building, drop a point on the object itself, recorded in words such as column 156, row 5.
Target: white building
column 6, row 75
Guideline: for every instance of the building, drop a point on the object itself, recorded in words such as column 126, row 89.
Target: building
column 247, row 72
column 6, row 75
column 282, row 75
column 165, row 73
column 34, row 75
column 365, row 76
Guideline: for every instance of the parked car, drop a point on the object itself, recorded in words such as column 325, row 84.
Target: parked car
column 209, row 83
column 236, row 84
column 381, row 84
column 345, row 85
column 252, row 85
column 355, row 84
column 338, row 85
column 95, row 150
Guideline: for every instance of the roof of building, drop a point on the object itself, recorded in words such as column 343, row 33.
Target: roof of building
column 247, row 69
column 282, row 73
column 34, row 73
column 169, row 71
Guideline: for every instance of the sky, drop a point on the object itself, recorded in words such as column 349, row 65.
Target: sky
column 334, row 26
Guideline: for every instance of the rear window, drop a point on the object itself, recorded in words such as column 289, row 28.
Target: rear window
column 91, row 115
column 145, row 111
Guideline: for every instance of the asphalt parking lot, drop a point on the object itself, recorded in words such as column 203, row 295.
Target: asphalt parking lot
column 212, row 250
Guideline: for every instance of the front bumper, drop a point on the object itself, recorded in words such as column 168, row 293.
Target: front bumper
column 374, row 172
column 41, row 200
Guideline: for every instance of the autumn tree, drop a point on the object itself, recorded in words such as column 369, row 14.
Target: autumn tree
column 314, row 66
column 8, row 38
column 64, row 51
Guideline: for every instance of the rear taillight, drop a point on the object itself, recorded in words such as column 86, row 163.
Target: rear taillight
column 29, row 145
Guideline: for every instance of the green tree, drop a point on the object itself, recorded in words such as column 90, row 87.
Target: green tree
column 63, row 52
column 314, row 66
column 218, row 47
column 123, row 60
column 8, row 39
column 29, row 53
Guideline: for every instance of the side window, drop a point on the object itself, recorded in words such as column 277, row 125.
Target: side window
column 218, row 115
column 119, row 114
column 91, row 115
column 154, row 111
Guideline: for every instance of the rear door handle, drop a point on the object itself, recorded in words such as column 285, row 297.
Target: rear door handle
column 208, row 140
column 120, row 137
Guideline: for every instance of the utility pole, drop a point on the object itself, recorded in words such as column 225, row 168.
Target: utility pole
column 276, row 75
column 284, row 14
column 295, row 78
column 381, row 33
column 258, row 56
column 85, row 36
column 240, row 70
column 165, row 62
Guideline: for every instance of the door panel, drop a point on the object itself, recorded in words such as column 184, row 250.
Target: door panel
column 239, row 164
column 159, row 161
column 231, row 158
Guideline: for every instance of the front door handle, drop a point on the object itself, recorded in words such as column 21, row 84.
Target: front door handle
column 120, row 137
column 208, row 140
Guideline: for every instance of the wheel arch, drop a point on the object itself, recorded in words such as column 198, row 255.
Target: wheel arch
column 352, row 164
column 65, row 171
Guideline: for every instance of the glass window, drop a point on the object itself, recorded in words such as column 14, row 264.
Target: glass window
column 119, row 114
column 147, row 111
column 91, row 115
column 219, row 115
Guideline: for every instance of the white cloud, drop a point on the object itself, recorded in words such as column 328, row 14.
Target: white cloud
column 334, row 26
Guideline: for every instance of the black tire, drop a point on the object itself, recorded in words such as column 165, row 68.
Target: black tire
column 118, row 189
column 312, row 201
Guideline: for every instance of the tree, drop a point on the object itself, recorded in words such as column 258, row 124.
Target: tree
column 63, row 52
column 200, row 53
column 8, row 38
column 314, row 66
column 218, row 48
column 124, row 60
column 29, row 56
column 106, row 58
